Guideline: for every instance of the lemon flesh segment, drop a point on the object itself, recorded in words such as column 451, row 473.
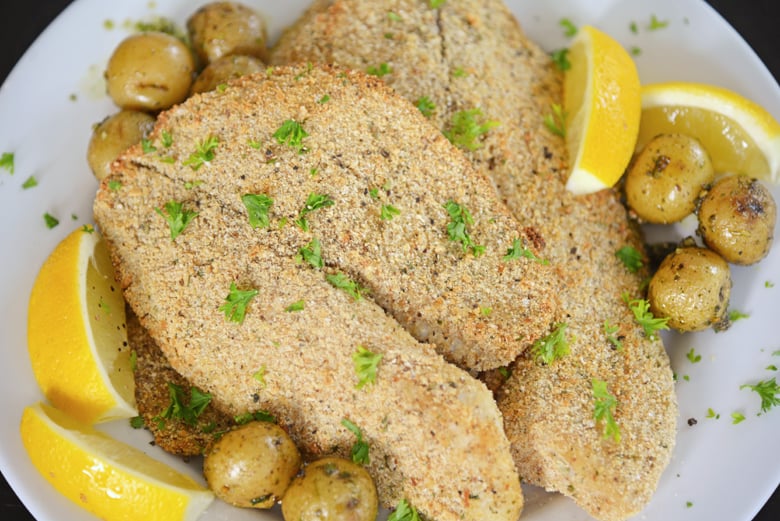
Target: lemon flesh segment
column 76, row 332
column 740, row 136
column 110, row 479
column 602, row 104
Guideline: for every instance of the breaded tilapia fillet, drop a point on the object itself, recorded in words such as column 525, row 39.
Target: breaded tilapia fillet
column 435, row 432
column 471, row 56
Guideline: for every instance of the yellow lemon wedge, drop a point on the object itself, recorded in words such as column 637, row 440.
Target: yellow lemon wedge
column 740, row 135
column 76, row 333
column 107, row 477
column 602, row 105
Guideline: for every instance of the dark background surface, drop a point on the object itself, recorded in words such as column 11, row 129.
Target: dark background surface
column 22, row 21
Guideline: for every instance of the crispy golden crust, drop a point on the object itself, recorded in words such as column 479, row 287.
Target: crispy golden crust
column 472, row 54
column 435, row 433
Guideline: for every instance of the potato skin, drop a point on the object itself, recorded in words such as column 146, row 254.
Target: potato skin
column 331, row 489
column 737, row 219
column 224, row 69
column 665, row 179
column 251, row 466
column 223, row 28
column 691, row 288
column 150, row 71
column 114, row 135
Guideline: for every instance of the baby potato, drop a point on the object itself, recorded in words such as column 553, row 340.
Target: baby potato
column 331, row 488
column 737, row 219
column 222, row 28
column 114, row 135
column 224, row 69
column 691, row 288
column 251, row 466
column 150, row 71
column 665, row 179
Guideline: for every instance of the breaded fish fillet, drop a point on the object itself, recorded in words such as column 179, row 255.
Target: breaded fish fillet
column 469, row 56
column 435, row 434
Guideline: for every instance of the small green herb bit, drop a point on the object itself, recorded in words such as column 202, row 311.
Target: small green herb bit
column 236, row 303
column 426, row 106
column 737, row 417
column 137, row 422
column 292, row 134
column 324, row 99
column 560, row 58
column 556, row 121
column 259, row 376
column 552, row 347
column 435, row 4
column 630, row 257
column 298, row 305
column 312, row 253
column 366, row 364
column 518, row 251
column 383, row 70
column 31, row 182
column 656, row 24
column 569, row 29
column 360, row 447
column 7, row 162
column 178, row 410
column 257, row 207
column 712, row 414
column 404, row 512
column 457, row 230
column 604, row 409
column 341, row 281
column 114, row 185
column 177, row 217
column 204, row 153
column 314, row 201
column 644, row 317
column 464, row 129
column 166, row 139
column 633, row 27
column 613, row 339
column 394, row 17
column 768, row 391
column 735, row 315
column 388, row 212
column 50, row 220
column 147, row 147
column 693, row 357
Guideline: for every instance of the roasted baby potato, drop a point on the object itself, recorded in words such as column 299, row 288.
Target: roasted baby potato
column 737, row 219
column 251, row 466
column 691, row 288
column 222, row 28
column 150, row 71
column 114, row 135
column 665, row 179
column 224, row 69
column 331, row 488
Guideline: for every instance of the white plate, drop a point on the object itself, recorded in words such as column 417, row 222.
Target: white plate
column 725, row 471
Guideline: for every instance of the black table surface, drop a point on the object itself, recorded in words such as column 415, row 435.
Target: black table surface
column 22, row 22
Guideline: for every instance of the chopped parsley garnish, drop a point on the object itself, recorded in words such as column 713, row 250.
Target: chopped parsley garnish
column 360, row 447
column 374, row 193
column 644, row 317
column 114, row 185
column 137, row 422
column 656, row 24
column 257, row 207
column 166, row 139
column 518, row 251
column 769, row 284
column 561, row 59
column 569, row 29
column 257, row 416
column 177, row 217
column 380, row 71
column 426, row 106
column 712, row 414
column 341, row 281
column 7, row 162
column 87, row 229
column 291, row 133
column 324, row 99
column 178, row 410
column 604, row 409
column 735, row 315
column 769, row 392
column 636, row 51
column 189, row 185
column 50, row 220
column 31, row 182
column 393, row 17
column 460, row 218
column 688, row 504
column 633, row 27
column 366, row 364
column 459, row 72
column 610, row 331
column 312, row 254
column 771, row 367
column 630, row 257
column 298, row 305
column 485, row 311
column 254, row 144
column 464, row 129
column 737, row 417
column 693, row 357
column 552, row 347
column 404, row 512
column 556, row 121
column 388, row 212
column 435, row 4
column 259, row 376
column 204, row 153
column 313, row 202
column 147, row 146
column 236, row 303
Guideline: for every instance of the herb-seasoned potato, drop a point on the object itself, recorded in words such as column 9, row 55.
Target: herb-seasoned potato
column 114, row 135
column 223, row 69
column 222, row 28
column 666, row 178
column 737, row 219
column 150, row 71
column 692, row 289
column 331, row 488
column 252, row 465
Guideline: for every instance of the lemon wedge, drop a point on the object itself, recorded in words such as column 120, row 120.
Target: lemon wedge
column 740, row 135
column 107, row 477
column 76, row 333
column 602, row 105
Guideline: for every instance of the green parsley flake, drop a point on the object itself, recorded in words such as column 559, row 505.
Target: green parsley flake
column 633, row 27
column 404, row 512
column 569, row 29
column 561, row 59
column 656, row 24
column 360, row 447
column 394, row 17
column 636, row 51
column 518, row 251
column 769, row 284
column 464, row 129
column 735, row 315
column 50, row 220
column 259, row 376
column 688, row 504
column 114, row 185
column 189, row 185
column 257, row 416
column 457, row 230
column 426, row 106
column 324, row 99
column 147, row 147
column 166, row 139
column 87, row 229
column 341, row 281
column 612, row 338
column 312, row 254
column 31, row 182
column 388, row 212
column 768, row 391
column 552, row 347
column 236, row 303
column 712, row 414
column 693, row 357
column 137, row 422
column 257, row 207
column 459, row 72
column 383, row 70
column 7, row 162
column 313, row 202
column 366, row 364
column 771, row 367
column 630, row 257
column 295, row 306
column 186, row 412
column 604, row 409
column 556, row 121
column 644, row 317
column 737, row 417
column 435, row 4
column 204, row 153
column 292, row 134
column 177, row 217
